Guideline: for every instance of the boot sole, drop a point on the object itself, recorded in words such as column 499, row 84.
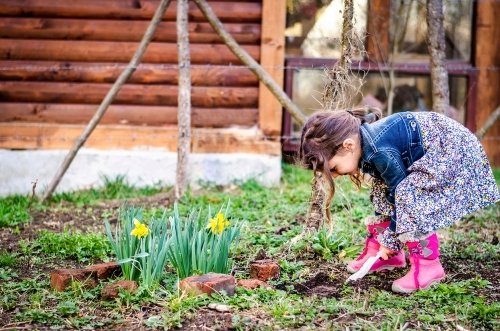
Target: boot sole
column 398, row 289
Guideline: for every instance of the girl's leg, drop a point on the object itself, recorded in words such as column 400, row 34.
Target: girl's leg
column 426, row 269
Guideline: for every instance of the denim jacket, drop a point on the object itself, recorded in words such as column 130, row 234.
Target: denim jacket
column 389, row 148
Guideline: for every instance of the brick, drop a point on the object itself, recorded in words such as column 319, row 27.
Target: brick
column 252, row 284
column 264, row 269
column 208, row 283
column 106, row 270
column 60, row 279
column 111, row 291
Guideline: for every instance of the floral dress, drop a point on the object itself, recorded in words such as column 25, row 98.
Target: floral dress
column 452, row 179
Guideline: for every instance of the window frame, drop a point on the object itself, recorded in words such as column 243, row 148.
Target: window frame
column 455, row 68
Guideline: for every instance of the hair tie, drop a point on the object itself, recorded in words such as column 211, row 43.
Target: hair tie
column 350, row 112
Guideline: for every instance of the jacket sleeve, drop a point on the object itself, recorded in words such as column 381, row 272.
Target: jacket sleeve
column 392, row 171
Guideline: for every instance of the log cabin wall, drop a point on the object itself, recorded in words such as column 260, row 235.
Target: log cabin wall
column 58, row 59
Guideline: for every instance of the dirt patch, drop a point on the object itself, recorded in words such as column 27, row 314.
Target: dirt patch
column 465, row 269
column 206, row 319
column 380, row 281
column 320, row 285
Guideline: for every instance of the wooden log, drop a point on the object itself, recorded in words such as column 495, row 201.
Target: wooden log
column 109, row 97
column 150, row 73
column 106, row 51
column 119, row 30
column 227, row 11
column 264, row 77
column 16, row 135
column 125, row 114
column 129, row 94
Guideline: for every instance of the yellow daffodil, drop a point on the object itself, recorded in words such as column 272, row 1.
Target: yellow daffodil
column 140, row 230
column 218, row 223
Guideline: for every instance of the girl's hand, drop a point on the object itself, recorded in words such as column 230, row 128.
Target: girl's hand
column 386, row 253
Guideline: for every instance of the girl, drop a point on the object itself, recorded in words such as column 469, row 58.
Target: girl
column 428, row 171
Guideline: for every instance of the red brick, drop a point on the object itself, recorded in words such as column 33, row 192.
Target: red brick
column 111, row 291
column 264, row 270
column 106, row 270
column 208, row 283
column 252, row 283
column 60, row 279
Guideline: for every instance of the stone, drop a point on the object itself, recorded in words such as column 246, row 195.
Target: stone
column 252, row 284
column 106, row 270
column 111, row 291
column 221, row 308
column 61, row 279
column 264, row 269
column 208, row 283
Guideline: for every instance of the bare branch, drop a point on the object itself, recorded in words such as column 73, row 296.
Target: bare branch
column 488, row 124
column 184, row 99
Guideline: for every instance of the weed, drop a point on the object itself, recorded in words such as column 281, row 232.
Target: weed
column 14, row 210
column 68, row 308
column 7, row 259
column 83, row 247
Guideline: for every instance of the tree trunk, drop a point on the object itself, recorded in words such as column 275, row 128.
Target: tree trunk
column 108, row 99
column 436, row 45
column 184, row 99
column 316, row 213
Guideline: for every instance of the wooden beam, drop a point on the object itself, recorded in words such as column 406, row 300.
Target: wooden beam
column 128, row 94
column 272, row 60
column 487, row 60
column 118, row 30
column 148, row 73
column 227, row 11
column 125, row 114
column 378, row 41
column 56, row 136
column 107, row 51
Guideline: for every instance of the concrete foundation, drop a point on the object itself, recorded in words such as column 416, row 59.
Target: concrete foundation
column 18, row 169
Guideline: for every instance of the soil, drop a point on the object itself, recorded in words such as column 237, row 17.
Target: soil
column 206, row 319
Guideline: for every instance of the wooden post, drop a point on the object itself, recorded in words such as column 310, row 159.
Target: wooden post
column 124, row 76
column 487, row 61
column 272, row 59
column 184, row 99
column 377, row 41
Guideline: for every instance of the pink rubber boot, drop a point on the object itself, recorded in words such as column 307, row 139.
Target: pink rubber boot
column 426, row 268
column 371, row 248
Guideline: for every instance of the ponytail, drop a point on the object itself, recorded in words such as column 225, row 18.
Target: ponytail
column 366, row 114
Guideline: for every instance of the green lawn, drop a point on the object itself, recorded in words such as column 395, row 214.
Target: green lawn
column 310, row 294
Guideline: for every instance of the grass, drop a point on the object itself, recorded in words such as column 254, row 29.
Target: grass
column 273, row 216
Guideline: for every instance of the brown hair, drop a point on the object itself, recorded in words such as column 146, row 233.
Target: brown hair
column 322, row 137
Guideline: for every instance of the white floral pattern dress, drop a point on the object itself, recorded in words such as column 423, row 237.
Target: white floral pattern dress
column 452, row 179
